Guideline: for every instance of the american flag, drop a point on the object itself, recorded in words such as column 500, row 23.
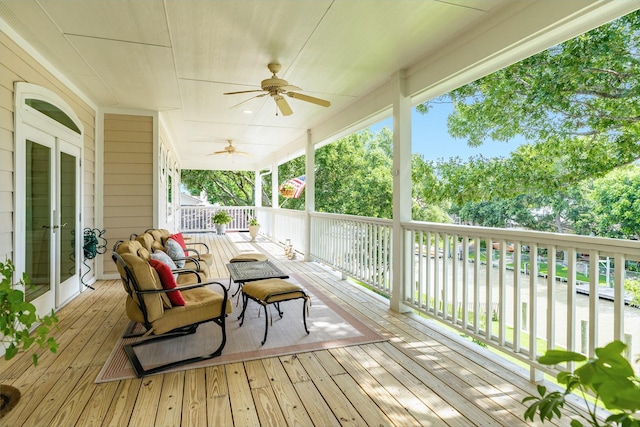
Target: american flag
column 298, row 184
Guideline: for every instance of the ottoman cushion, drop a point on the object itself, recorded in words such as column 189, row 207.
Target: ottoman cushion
column 273, row 290
column 248, row 257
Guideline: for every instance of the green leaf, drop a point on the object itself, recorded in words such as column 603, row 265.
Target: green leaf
column 10, row 352
column 554, row 357
column 542, row 390
column 576, row 423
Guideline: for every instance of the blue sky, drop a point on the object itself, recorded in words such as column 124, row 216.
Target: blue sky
column 431, row 138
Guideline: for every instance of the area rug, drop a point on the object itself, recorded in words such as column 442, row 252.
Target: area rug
column 330, row 326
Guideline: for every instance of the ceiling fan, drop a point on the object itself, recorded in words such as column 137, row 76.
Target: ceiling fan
column 229, row 150
column 276, row 88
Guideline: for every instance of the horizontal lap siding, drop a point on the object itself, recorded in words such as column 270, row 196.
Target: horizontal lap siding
column 16, row 65
column 128, row 178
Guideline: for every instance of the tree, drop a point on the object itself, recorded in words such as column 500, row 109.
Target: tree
column 617, row 203
column 226, row 188
column 565, row 211
column 353, row 176
column 579, row 101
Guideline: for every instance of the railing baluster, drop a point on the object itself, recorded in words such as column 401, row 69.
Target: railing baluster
column 517, row 297
column 488, row 288
column 551, row 297
column 476, row 285
column 571, row 302
column 594, row 277
column 502, row 294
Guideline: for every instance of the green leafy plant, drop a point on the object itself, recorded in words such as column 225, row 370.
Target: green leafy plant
column 609, row 377
column 253, row 221
column 632, row 287
column 18, row 316
column 221, row 217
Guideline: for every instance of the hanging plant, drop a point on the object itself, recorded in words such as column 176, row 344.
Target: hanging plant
column 287, row 190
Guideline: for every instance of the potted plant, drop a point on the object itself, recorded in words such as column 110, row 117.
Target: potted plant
column 254, row 228
column 287, row 190
column 16, row 319
column 608, row 376
column 221, row 218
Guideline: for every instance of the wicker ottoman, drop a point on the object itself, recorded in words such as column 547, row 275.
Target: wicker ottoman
column 273, row 291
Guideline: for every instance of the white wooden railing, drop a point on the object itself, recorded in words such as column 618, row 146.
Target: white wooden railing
column 288, row 226
column 358, row 247
column 198, row 218
column 511, row 297
column 508, row 297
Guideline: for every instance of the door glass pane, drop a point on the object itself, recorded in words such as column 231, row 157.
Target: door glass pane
column 67, row 216
column 38, row 217
column 54, row 112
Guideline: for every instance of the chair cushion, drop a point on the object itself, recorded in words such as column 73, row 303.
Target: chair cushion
column 168, row 281
column 191, row 278
column 158, row 235
column 147, row 280
column 174, row 250
column 201, row 304
column 146, row 240
column 128, row 247
column 178, row 237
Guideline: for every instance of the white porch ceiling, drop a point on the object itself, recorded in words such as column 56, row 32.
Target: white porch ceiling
column 178, row 57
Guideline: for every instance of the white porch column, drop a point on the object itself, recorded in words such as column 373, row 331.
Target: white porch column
column 310, row 196
column 274, row 198
column 274, row 186
column 257, row 189
column 401, row 188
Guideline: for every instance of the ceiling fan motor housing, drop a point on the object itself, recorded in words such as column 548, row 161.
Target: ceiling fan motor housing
column 273, row 84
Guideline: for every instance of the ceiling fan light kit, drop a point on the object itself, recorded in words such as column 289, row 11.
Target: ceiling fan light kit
column 276, row 87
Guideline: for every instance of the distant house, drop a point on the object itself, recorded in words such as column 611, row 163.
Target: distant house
column 189, row 200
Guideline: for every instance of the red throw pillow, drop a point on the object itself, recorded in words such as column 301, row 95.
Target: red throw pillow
column 168, row 281
column 178, row 237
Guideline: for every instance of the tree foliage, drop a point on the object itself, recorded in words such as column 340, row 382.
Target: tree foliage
column 353, row 176
column 578, row 101
column 226, row 188
column 616, row 204
column 579, row 104
column 584, row 92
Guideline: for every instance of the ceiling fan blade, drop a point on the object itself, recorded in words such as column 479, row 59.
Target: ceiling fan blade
column 243, row 153
column 283, row 105
column 308, row 98
column 243, row 91
column 215, row 153
column 287, row 88
column 247, row 100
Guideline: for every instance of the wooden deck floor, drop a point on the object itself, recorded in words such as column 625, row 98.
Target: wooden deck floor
column 421, row 376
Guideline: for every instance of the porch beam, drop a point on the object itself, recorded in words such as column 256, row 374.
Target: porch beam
column 401, row 189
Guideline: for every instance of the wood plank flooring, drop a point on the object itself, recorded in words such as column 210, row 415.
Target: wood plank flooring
column 423, row 375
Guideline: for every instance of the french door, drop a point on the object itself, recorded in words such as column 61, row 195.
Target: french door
column 52, row 220
column 47, row 195
column 52, row 217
